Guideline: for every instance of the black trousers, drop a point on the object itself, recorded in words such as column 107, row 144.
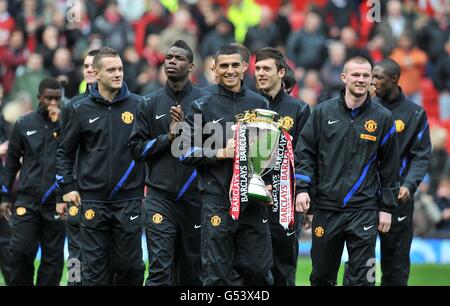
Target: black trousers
column 5, row 252
column 74, row 241
column 396, row 245
column 33, row 224
column 111, row 243
column 230, row 248
column 285, row 250
column 330, row 230
column 173, row 240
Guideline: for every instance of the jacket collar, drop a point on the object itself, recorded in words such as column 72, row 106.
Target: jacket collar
column 396, row 101
column 357, row 110
column 123, row 94
column 278, row 97
column 179, row 94
column 231, row 94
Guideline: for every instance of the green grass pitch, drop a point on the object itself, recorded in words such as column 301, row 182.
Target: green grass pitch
column 421, row 274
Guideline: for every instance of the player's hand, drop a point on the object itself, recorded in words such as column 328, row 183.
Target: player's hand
column 307, row 221
column 54, row 113
column 177, row 115
column 384, row 221
column 228, row 151
column 72, row 197
column 404, row 194
column 61, row 209
column 5, row 210
column 4, row 148
column 302, row 202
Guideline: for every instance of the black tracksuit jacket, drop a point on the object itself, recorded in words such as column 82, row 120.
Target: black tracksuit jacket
column 149, row 141
column 414, row 143
column 34, row 138
column 106, row 172
column 68, row 106
column 350, row 157
column 220, row 108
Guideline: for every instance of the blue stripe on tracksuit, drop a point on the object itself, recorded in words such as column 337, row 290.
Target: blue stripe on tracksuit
column 130, row 168
column 147, row 147
column 188, row 183
column 420, row 135
column 59, row 179
column 403, row 166
column 191, row 151
column 123, row 179
column 304, row 178
column 360, row 180
column 4, row 189
column 389, row 134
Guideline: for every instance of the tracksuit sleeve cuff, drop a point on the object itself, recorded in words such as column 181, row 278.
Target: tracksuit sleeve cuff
column 301, row 189
column 387, row 209
column 6, row 197
column 411, row 187
column 67, row 188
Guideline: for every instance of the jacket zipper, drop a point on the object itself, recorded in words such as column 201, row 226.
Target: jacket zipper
column 110, row 187
column 44, row 163
column 344, row 165
column 177, row 170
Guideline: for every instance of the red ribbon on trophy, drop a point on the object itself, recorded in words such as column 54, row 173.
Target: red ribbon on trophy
column 283, row 182
column 239, row 180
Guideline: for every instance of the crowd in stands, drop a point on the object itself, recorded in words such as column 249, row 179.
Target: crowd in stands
column 40, row 38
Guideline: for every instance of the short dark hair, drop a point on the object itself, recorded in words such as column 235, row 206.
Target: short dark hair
column 92, row 52
column 272, row 53
column 228, row 50
column 390, row 67
column 183, row 45
column 49, row 83
column 243, row 51
column 289, row 79
column 103, row 52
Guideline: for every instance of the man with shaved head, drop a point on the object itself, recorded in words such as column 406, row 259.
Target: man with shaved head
column 347, row 168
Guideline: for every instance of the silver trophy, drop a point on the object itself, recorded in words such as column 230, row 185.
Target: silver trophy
column 264, row 130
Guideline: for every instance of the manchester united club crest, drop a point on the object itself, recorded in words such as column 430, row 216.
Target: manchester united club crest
column 399, row 126
column 127, row 117
column 370, row 126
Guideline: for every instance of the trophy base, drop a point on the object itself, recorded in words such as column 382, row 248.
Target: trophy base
column 257, row 190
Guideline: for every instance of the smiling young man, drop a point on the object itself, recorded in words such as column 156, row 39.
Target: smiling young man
column 270, row 69
column 109, row 183
column 348, row 164
column 415, row 151
column 173, row 204
column 241, row 243
column 32, row 150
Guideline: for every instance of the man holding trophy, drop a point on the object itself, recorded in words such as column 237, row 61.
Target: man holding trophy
column 234, row 235
column 270, row 69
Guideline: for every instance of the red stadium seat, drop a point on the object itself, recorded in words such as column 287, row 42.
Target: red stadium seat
column 430, row 99
column 446, row 125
